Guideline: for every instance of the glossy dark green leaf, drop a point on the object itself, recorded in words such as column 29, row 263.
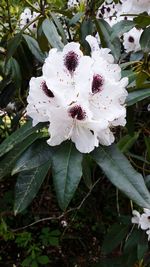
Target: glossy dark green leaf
column 127, row 141
column 142, row 246
column 75, row 18
column 114, row 237
column 8, row 161
column 145, row 40
column 142, row 20
column 13, row 45
column 28, row 185
column 132, row 240
column 51, row 34
column 137, row 96
column 121, row 27
column 105, row 32
column 17, row 137
column 60, row 27
column 36, row 155
column 87, row 165
column 13, row 69
column 67, row 172
column 34, row 48
column 121, row 173
column 87, row 28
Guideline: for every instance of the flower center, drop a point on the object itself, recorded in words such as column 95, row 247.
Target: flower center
column 131, row 39
column 71, row 61
column 45, row 89
column 77, row 112
column 97, row 83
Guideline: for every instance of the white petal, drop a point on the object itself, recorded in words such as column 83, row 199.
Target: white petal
column 60, row 126
column 85, row 141
column 93, row 43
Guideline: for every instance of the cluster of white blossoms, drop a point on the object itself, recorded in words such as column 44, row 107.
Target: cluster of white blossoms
column 142, row 220
column 74, row 3
column 113, row 13
column 26, row 17
column 82, row 97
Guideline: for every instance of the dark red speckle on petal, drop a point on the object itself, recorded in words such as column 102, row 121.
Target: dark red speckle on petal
column 45, row 89
column 97, row 83
column 76, row 112
column 71, row 61
column 131, row 39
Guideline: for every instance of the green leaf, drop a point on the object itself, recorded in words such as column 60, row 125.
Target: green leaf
column 13, row 45
column 34, row 48
column 43, row 259
column 87, row 28
column 137, row 96
column 17, row 137
column 67, row 172
column 121, row 27
column 8, row 161
column 34, row 156
column 27, row 186
column 105, row 32
column 141, row 78
column 145, row 40
column 132, row 240
column 130, row 74
column 51, row 34
column 142, row 247
column 114, row 237
column 13, row 69
column 75, row 18
column 142, row 20
column 87, row 165
column 120, row 172
column 127, row 141
column 60, row 27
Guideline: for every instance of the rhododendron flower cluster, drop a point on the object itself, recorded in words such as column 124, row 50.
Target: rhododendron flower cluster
column 26, row 17
column 82, row 97
column 113, row 13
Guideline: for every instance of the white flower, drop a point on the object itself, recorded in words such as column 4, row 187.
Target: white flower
column 145, row 219
column 106, row 10
column 81, row 97
column 135, row 6
column 26, row 17
column 74, row 3
column 40, row 99
column 64, row 223
column 131, row 40
column 75, row 122
column 136, row 217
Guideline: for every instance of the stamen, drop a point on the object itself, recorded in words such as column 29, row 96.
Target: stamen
column 45, row 89
column 77, row 112
column 97, row 83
